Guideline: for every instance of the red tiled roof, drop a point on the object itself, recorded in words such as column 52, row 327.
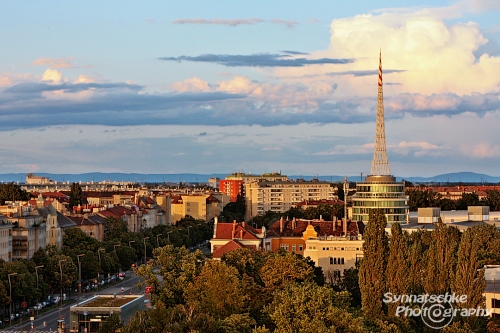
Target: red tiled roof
column 295, row 228
column 228, row 247
column 241, row 230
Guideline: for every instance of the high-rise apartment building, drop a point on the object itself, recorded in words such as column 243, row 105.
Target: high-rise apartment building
column 280, row 196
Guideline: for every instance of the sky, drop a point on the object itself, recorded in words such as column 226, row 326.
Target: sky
column 251, row 86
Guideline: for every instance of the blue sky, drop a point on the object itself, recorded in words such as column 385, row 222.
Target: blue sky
column 219, row 86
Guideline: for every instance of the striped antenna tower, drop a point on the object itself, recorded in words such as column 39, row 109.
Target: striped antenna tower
column 380, row 163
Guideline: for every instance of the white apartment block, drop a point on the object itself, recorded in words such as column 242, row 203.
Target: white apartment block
column 280, row 196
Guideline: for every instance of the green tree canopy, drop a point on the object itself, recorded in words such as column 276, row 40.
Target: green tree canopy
column 12, row 192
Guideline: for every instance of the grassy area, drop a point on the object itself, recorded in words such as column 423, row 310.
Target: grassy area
column 108, row 302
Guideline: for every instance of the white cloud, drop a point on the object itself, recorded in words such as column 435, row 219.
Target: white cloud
column 52, row 76
column 481, row 150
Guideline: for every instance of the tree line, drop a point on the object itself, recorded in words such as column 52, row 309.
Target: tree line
column 421, row 198
column 263, row 292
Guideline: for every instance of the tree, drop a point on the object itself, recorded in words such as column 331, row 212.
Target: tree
column 441, row 259
column 216, row 291
column 397, row 266
column 492, row 199
column 114, row 228
column 112, row 324
column 307, row 307
column 75, row 195
column 469, row 278
column 374, row 264
column 12, row 192
column 284, row 267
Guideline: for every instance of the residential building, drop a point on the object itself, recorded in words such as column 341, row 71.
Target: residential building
column 194, row 205
column 5, row 239
column 230, row 236
column 28, row 230
column 233, row 185
column 280, row 196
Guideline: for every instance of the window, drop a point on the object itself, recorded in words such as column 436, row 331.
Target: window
column 495, row 303
column 331, row 261
column 341, row 261
column 294, row 247
column 300, row 247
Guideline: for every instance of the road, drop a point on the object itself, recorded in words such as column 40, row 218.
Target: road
column 50, row 318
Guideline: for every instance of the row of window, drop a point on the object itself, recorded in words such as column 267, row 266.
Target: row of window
column 349, row 248
column 336, row 261
column 294, row 247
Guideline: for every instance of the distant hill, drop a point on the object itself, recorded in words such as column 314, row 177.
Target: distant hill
column 458, row 177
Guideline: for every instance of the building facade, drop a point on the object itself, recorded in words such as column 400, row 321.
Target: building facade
column 280, row 196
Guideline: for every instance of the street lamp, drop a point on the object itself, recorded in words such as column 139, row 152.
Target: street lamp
column 157, row 240
column 118, row 271
column 168, row 236
column 36, row 272
column 145, row 258
column 129, row 242
column 10, row 294
column 99, row 268
column 79, row 273
column 60, row 270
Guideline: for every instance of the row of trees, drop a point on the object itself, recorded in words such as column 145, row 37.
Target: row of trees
column 421, row 198
column 244, row 292
column 283, row 292
column 434, row 263
column 119, row 251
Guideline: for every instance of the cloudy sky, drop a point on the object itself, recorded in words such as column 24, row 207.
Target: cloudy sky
column 253, row 86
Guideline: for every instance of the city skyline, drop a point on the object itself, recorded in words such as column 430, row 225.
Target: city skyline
column 204, row 87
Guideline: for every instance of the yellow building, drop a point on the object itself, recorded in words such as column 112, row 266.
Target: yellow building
column 192, row 205
column 334, row 254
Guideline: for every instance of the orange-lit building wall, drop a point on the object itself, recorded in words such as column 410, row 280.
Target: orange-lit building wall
column 231, row 187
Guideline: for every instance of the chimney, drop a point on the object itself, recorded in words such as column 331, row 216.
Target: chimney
column 216, row 221
column 281, row 224
column 243, row 224
column 321, row 217
column 234, row 229
column 241, row 233
column 294, row 223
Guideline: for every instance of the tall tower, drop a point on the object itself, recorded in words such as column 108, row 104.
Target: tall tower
column 380, row 190
column 380, row 163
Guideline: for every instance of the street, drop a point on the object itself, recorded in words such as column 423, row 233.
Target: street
column 50, row 318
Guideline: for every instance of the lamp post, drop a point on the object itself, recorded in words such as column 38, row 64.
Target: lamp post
column 79, row 273
column 130, row 242
column 36, row 272
column 168, row 236
column 10, row 294
column 145, row 258
column 60, row 271
column 99, row 268
column 118, row 271
column 157, row 240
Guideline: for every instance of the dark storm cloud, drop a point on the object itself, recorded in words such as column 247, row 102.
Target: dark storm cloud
column 40, row 87
column 118, row 104
column 258, row 60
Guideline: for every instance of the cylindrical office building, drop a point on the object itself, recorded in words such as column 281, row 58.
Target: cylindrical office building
column 380, row 192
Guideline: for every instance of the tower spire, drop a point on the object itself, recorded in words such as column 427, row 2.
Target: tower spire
column 380, row 163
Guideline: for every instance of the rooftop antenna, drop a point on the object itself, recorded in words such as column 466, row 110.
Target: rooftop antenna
column 345, row 206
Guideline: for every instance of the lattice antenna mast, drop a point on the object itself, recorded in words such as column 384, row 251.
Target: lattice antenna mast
column 380, row 163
